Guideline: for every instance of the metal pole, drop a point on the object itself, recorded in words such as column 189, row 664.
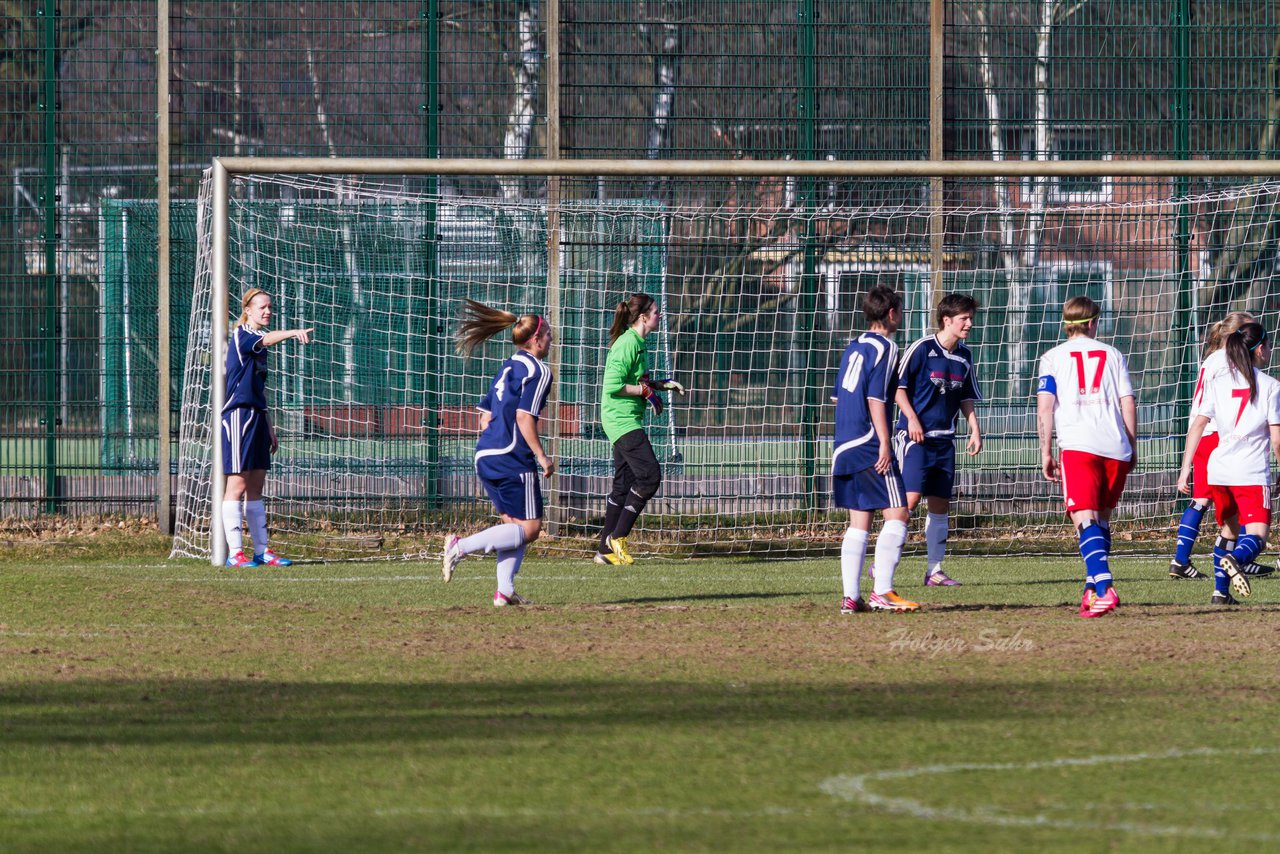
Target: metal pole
column 219, row 272
column 1185, row 322
column 552, row 11
column 164, row 486
column 807, row 315
column 436, row 329
column 937, row 225
column 49, row 329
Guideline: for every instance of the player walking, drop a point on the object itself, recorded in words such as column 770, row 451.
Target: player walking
column 248, row 438
column 626, row 391
column 864, row 474
column 1245, row 404
column 509, row 451
column 1085, row 392
column 936, row 382
column 1214, row 364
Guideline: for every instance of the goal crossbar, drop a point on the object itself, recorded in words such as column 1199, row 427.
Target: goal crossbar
column 751, row 168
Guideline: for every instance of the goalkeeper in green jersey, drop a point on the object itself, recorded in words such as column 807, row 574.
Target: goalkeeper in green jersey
column 626, row 392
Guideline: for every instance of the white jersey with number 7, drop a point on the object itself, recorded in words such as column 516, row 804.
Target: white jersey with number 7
column 1242, row 457
column 1088, row 379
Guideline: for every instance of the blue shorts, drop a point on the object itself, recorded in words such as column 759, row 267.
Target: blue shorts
column 928, row 468
column 868, row 490
column 246, row 440
column 518, row 496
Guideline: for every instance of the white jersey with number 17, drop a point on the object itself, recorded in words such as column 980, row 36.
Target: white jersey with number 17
column 1088, row 379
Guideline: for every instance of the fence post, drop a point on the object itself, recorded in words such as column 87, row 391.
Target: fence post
column 49, row 201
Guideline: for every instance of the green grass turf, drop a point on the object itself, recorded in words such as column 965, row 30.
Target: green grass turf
column 709, row 705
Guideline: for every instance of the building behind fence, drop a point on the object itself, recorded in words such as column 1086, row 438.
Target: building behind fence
column 719, row 79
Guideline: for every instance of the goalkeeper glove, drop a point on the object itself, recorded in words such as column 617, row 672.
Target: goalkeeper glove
column 652, row 396
column 664, row 385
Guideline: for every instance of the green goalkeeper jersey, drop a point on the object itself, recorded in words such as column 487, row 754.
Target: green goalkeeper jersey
column 625, row 365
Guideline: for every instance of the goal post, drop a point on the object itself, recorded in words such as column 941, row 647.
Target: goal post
column 741, row 474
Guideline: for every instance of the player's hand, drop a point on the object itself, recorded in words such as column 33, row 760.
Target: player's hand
column 303, row 335
column 547, row 465
column 1049, row 466
column 275, row 442
column 667, row 385
column 1184, row 482
column 974, row 447
column 652, row 396
column 914, row 431
column 885, row 461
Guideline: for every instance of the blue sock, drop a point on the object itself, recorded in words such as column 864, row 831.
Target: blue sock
column 1247, row 548
column 1188, row 530
column 1220, row 548
column 1093, row 548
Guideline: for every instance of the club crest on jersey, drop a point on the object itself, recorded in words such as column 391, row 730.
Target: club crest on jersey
column 945, row 382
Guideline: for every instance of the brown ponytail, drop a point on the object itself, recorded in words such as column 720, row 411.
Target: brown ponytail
column 481, row 322
column 628, row 312
column 1240, row 347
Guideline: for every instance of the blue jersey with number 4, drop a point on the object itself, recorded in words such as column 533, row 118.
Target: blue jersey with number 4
column 867, row 371
column 521, row 385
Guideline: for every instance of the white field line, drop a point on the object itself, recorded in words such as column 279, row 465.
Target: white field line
column 857, row 789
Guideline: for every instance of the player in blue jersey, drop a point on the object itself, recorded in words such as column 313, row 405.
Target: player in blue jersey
column 509, row 451
column 248, row 439
column 864, row 474
column 936, row 383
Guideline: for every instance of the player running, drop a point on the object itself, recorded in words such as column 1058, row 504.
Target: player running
column 509, row 451
column 936, row 382
column 1085, row 392
column 864, row 474
column 1245, row 404
column 1214, row 364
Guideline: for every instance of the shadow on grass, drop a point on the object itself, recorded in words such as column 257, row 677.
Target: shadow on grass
column 246, row 712
column 715, row 597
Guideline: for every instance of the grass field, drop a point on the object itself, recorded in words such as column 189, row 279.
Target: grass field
column 710, row 705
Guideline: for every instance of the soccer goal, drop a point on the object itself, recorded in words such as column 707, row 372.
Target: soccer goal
column 759, row 268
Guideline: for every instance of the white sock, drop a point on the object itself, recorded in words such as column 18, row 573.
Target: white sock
column 498, row 538
column 888, row 552
column 256, row 513
column 508, row 565
column 853, row 554
column 936, row 528
column 231, row 521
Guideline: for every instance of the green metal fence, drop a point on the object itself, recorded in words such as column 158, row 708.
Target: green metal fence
column 808, row 79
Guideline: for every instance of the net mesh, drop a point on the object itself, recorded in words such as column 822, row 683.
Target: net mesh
column 760, row 281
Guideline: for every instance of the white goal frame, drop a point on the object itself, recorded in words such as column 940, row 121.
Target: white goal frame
column 224, row 167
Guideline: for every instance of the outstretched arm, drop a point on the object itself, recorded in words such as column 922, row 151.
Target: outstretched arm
column 303, row 336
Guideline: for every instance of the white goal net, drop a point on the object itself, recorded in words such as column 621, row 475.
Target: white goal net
column 760, row 281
